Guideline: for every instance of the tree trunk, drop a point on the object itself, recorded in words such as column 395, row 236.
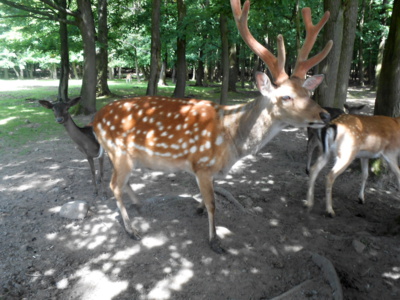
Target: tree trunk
column 223, row 26
column 233, row 71
column 361, row 46
column 155, row 49
column 387, row 97
column 163, row 72
column 181, row 52
column 333, row 30
column 200, row 70
column 64, row 53
column 102, row 57
column 346, row 54
column 86, row 26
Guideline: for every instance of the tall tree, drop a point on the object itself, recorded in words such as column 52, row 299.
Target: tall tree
column 180, row 86
column 155, row 49
column 83, row 18
column 223, row 25
column 336, row 67
column 387, row 97
column 346, row 54
column 64, row 49
column 333, row 30
column 102, row 38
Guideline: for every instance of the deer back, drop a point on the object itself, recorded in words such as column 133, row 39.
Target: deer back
column 166, row 133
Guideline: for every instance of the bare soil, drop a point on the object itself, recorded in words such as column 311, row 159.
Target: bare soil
column 272, row 245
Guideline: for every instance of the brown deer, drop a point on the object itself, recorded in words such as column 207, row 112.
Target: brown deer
column 314, row 134
column 128, row 78
column 204, row 138
column 356, row 136
column 83, row 137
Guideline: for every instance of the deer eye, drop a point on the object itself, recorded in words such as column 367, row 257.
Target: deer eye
column 285, row 98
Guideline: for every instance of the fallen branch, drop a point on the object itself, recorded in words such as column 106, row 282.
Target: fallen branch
column 229, row 197
column 330, row 274
column 291, row 294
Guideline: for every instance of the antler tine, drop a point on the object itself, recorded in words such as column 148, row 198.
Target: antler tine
column 312, row 31
column 275, row 64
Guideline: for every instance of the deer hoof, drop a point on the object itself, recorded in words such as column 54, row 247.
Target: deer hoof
column 134, row 235
column 331, row 214
column 200, row 210
column 216, row 246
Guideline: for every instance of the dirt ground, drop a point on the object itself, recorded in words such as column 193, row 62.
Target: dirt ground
column 273, row 246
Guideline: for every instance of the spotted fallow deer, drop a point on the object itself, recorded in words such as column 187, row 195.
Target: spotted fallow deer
column 356, row 136
column 204, row 138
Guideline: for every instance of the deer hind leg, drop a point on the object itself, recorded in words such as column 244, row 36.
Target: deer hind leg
column 322, row 160
column 312, row 143
column 119, row 181
column 340, row 166
column 205, row 183
column 392, row 160
column 364, row 170
column 101, row 178
column 93, row 171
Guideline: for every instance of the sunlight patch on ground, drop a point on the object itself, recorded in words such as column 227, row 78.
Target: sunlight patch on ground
column 5, row 121
column 126, row 254
column 293, row 248
column 151, row 242
column 223, row 232
column 394, row 274
column 95, row 285
column 174, row 282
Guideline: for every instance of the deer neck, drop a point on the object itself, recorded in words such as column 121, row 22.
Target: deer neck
column 251, row 126
column 73, row 130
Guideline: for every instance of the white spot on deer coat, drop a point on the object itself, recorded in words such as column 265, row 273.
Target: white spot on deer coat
column 219, row 140
column 193, row 149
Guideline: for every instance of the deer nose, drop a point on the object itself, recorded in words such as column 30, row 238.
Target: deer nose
column 60, row 120
column 325, row 117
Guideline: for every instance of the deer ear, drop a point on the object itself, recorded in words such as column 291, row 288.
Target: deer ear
column 46, row 104
column 74, row 101
column 263, row 83
column 313, row 82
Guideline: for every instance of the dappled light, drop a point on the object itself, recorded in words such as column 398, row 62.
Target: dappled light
column 269, row 238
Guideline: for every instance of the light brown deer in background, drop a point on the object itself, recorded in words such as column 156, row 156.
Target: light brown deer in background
column 314, row 134
column 355, row 136
column 128, row 78
column 203, row 138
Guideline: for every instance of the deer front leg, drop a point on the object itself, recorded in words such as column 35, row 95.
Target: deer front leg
column 205, row 183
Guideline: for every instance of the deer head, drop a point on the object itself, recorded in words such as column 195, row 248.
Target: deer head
column 294, row 90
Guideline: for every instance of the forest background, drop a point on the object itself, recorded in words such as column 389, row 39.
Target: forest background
column 99, row 40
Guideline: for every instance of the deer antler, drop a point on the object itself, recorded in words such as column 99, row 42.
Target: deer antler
column 275, row 64
column 302, row 64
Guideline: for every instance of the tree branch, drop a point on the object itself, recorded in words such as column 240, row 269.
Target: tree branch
column 34, row 11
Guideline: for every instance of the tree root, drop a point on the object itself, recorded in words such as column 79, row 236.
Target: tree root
column 223, row 192
column 293, row 292
column 330, row 274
